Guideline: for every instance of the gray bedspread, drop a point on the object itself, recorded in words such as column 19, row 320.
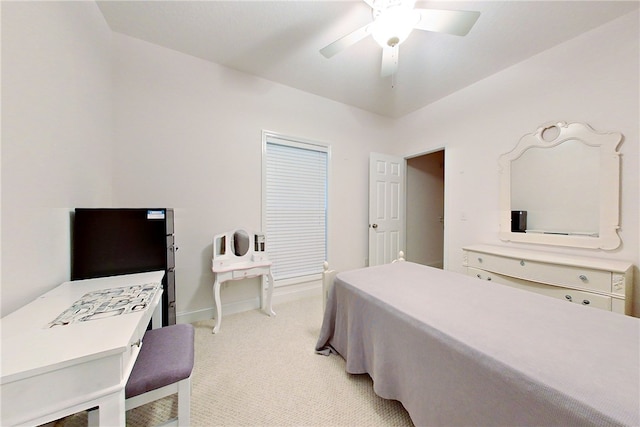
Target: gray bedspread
column 459, row 352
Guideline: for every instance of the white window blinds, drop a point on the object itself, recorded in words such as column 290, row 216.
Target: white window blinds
column 295, row 205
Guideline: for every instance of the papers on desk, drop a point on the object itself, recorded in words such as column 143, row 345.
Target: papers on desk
column 107, row 303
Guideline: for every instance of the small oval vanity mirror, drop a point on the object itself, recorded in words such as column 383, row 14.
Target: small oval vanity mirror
column 240, row 242
column 560, row 186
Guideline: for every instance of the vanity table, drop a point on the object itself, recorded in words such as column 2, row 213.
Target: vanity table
column 594, row 282
column 240, row 255
column 74, row 347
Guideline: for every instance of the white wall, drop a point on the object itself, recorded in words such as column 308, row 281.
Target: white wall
column 56, row 136
column 592, row 79
column 188, row 136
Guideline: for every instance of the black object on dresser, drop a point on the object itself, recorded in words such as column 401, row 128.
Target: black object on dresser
column 108, row 241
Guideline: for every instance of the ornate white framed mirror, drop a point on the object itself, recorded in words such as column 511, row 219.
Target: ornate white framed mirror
column 561, row 186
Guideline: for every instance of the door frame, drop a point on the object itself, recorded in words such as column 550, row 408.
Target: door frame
column 447, row 198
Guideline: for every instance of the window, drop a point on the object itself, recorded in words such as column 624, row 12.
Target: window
column 294, row 205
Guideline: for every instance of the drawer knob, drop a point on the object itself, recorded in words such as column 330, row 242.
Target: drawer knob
column 586, row 302
column 583, row 278
column 522, row 262
column 479, row 259
column 568, row 297
column 489, row 279
column 478, row 276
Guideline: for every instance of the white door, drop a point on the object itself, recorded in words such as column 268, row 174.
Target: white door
column 386, row 208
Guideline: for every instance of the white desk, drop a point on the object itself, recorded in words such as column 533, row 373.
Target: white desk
column 52, row 372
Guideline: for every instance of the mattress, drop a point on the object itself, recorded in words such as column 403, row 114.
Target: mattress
column 457, row 351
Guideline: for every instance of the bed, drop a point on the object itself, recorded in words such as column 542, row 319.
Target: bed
column 457, row 353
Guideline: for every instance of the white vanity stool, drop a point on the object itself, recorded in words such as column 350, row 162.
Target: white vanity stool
column 240, row 254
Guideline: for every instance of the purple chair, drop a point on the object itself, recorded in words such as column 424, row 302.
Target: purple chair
column 162, row 368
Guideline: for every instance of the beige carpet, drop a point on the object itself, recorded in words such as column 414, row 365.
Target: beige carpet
column 263, row 371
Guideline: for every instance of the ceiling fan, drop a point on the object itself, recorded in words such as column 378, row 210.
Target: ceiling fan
column 393, row 21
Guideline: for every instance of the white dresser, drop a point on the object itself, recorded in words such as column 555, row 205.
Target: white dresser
column 594, row 282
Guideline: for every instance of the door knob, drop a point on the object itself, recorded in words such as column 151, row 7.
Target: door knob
column 375, row 226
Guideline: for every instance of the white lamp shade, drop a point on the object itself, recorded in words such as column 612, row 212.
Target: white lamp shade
column 394, row 25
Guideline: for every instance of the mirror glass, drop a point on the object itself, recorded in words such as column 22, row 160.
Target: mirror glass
column 240, row 243
column 564, row 198
column 560, row 186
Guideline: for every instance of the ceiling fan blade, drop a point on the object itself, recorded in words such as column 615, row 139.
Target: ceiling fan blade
column 389, row 60
column 370, row 3
column 344, row 42
column 457, row 22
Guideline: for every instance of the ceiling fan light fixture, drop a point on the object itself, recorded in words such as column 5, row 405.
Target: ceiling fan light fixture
column 394, row 25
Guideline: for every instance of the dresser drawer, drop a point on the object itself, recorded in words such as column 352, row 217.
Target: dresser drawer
column 551, row 274
column 569, row 295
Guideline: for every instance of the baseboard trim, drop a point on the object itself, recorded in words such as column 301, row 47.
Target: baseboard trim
column 281, row 294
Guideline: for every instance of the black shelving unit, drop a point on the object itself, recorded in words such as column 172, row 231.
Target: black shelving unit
column 113, row 241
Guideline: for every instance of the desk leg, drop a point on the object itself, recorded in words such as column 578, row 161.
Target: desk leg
column 156, row 319
column 111, row 411
column 216, row 298
column 266, row 305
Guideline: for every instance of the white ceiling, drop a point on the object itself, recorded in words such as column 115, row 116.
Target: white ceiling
column 280, row 41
